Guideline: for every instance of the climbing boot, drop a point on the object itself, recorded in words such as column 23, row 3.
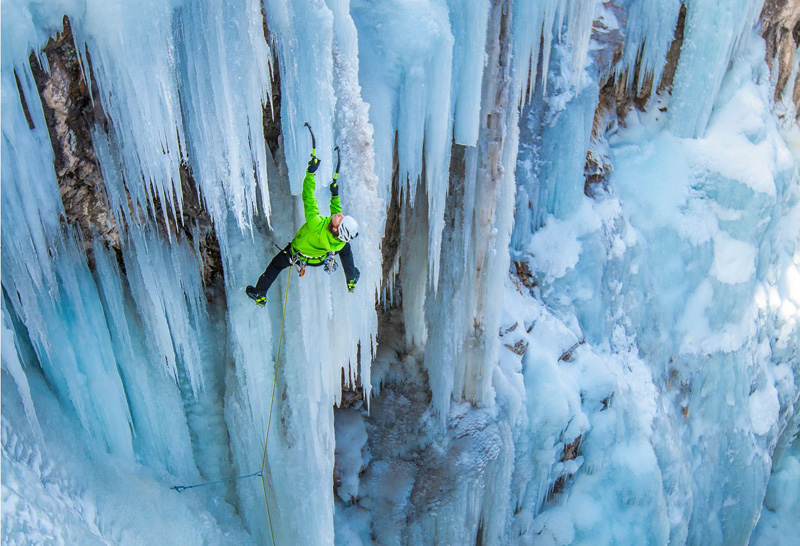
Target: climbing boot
column 351, row 284
column 258, row 297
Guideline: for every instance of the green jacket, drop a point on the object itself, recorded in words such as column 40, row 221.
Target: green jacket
column 314, row 239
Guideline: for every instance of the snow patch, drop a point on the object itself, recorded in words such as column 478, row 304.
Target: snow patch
column 764, row 407
column 734, row 260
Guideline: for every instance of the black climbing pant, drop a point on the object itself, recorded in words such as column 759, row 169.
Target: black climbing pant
column 282, row 260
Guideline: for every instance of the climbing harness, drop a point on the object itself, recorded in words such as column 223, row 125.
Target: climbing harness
column 271, row 402
column 301, row 266
column 296, row 259
column 300, row 261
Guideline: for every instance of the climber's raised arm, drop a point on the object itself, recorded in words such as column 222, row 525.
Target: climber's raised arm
column 336, row 205
column 309, row 183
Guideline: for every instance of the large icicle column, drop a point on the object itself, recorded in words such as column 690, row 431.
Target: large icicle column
column 464, row 315
column 577, row 317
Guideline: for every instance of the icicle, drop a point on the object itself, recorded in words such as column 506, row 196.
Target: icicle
column 536, row 23
column 136, row 77
column 408, row 86
column 303, row 34
column 580, row 17
column 12, row 363
column 469, row 22
column 166, row 286
column 649, row 31
column 224, row 62
column 360, row 195
column 160, row 424
column 713, row 34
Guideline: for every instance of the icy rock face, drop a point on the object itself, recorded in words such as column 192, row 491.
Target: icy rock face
column 70, row 117
column 721, row 265
column 417, row 480
column 632, row 381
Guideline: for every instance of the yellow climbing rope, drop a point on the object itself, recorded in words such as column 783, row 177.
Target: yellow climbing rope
column 272, row 399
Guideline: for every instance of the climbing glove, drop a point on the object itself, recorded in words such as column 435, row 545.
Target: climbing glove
column 313, row 164
column 334, row 188
column 351, row 283
column 330, row 264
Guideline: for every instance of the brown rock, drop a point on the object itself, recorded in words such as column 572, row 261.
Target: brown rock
column 70, row 116
column 780, row 27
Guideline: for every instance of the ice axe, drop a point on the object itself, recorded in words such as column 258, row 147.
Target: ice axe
column 338, row 164
column 313, row 141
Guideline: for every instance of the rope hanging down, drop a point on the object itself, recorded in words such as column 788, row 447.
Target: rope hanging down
column 182, row 488
column 271, row 401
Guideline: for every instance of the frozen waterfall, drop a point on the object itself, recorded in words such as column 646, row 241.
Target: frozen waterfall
column 578, row 316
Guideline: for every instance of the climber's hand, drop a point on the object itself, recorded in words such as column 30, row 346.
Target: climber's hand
column 313, row 164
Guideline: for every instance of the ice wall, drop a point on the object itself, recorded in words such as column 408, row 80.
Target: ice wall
column 608, row 397
column 646, row 333
column 663, row 275
column 157, row 366
column 714, row 34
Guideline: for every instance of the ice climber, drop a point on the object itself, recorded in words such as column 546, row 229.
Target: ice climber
column 316, row 243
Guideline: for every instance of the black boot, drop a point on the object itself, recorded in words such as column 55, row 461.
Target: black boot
column 351, row 284
column 256, row 296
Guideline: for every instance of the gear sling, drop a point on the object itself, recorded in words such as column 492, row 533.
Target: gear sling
column 289, row 256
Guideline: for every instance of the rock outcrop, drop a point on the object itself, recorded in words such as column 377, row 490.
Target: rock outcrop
column 780, row 27
column 71, row 114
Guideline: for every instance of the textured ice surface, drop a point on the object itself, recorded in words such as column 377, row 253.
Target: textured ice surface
column 686, row 243
column 633, row 382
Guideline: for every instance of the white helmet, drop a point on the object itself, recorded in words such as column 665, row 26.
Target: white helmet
column 348, row 229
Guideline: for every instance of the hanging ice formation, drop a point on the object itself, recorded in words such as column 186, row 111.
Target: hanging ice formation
column 612, row 187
